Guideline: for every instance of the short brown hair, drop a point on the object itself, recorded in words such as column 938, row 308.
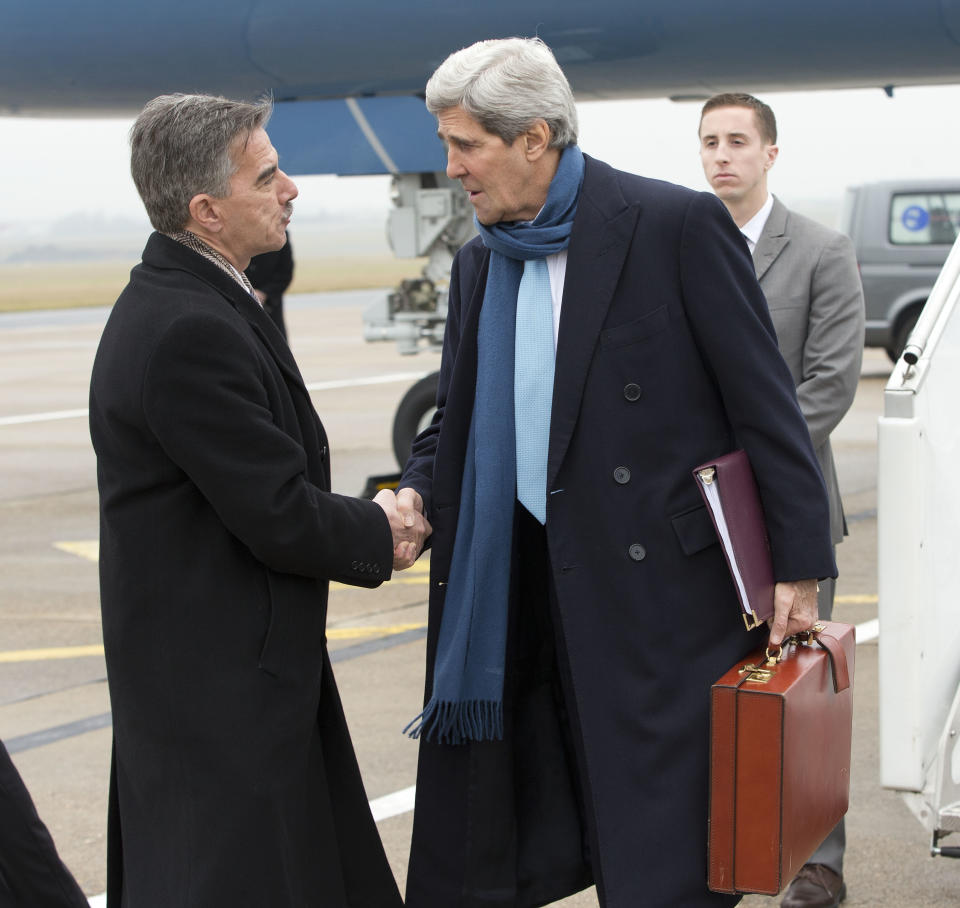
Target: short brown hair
column 766, row 121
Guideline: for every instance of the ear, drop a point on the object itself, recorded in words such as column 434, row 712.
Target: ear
column 536, row 140
column 772, row 152
column 205, row 212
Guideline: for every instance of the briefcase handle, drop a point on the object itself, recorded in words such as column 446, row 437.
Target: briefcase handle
column 820, row 635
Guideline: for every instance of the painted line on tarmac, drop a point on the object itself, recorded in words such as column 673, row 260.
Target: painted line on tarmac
column 41, row 417
column 58, row 733
column 51, row 652
column 394, row 804
column 362, row 382
column 82, row 548
column 373, row 646
column 388, row 631
column 388, row 635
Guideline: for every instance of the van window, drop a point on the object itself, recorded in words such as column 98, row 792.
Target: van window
column 924, row 218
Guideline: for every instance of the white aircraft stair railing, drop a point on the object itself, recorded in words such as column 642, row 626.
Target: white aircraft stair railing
column 918, row 565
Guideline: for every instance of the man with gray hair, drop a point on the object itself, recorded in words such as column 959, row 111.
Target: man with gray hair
column 606, row 334
column 234, row 781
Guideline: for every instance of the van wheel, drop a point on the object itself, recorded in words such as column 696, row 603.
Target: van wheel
column 904, row 330
column 413, row 415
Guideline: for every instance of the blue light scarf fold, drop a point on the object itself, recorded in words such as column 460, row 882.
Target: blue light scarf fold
column 467, row 701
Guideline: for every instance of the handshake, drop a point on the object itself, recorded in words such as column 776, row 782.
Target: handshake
column 410, row 528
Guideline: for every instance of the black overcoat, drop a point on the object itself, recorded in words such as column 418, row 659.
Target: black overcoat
column 234, row 781
column 666, row 357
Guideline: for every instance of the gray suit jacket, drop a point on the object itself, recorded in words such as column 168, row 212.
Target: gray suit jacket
column 809, row 276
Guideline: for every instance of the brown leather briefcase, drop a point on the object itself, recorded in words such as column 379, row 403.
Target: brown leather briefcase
column 780, row 758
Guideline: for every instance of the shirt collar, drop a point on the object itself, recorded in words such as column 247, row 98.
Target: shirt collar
column 754, row 227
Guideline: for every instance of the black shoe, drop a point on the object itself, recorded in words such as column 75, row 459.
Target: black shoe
column 815, row 886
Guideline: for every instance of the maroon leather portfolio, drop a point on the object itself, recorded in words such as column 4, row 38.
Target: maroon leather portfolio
column 730, row 491
column 780, row 735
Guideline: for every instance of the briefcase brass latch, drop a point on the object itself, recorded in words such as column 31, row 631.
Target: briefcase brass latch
column 755, row 673
column 762, row 672
column 809, row 637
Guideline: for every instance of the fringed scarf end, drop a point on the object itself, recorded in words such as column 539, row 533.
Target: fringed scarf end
column 458, row 722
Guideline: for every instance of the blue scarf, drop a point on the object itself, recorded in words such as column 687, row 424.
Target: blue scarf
column 467, row 701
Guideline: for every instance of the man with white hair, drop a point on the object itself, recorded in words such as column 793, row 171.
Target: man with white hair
column 606, row 334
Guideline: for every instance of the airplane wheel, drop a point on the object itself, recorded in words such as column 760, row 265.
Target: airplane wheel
column 414, row 415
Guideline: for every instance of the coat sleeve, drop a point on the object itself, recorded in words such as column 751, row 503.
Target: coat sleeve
column 731, row 325
column 205, row 398
column 833, row 348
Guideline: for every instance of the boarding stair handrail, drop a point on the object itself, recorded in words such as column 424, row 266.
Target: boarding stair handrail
column 945, row 292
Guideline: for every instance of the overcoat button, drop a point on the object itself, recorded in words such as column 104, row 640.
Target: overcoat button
column 637, row 552
column 632, row 392
column 621, row 475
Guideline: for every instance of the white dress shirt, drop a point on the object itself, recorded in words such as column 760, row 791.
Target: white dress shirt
column 754, row 227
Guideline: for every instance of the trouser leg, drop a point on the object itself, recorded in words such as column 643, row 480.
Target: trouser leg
column 825, row 598
column 831, row 850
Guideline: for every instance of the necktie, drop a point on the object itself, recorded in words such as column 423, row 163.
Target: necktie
column 533, row 385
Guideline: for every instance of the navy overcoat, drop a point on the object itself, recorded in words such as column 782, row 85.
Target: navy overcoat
column 666, row 358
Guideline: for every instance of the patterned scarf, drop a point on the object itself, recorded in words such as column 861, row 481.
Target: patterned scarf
column 192, row 241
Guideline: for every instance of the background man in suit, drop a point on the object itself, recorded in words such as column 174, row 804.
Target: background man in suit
column 234, row 781
column 808, row 274
column 606, row 334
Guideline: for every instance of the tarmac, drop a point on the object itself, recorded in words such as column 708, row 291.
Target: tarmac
column 54, row 704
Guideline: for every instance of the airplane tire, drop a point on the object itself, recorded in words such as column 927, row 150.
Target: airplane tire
column 413, row 414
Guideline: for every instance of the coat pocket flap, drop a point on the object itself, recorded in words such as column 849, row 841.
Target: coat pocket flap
column 650, row 324
column 694, row 529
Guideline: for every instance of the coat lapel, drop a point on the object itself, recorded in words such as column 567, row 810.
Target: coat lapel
column 599, row 242
column 163, row 252
column 773, row 239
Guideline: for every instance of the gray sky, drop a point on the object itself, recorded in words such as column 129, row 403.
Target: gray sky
column 828, row 140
